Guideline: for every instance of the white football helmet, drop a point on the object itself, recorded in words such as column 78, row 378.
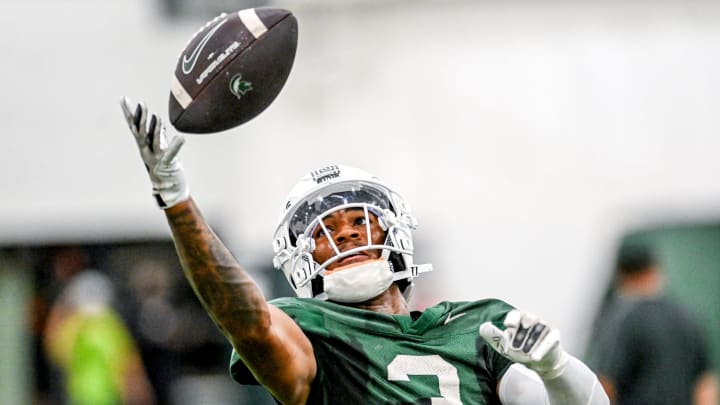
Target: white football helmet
column 325, row 191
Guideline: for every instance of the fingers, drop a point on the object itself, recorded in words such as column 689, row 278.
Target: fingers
column 153, row 140
column 175, row 144
column 140, row 119
column 525, row 330
column 535, row 334
column 526, row 339
column 549, row 342
column 125, row 104
column 157, row 141
column 136, row 116
column 148, row 133
column 512, row 319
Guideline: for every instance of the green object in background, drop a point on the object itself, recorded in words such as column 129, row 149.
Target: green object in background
column 101, row 348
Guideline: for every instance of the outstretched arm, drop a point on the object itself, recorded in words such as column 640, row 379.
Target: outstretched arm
column 270, row 343
column 557, row 378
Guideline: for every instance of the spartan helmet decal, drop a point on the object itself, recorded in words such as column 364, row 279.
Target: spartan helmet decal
column 327, row 190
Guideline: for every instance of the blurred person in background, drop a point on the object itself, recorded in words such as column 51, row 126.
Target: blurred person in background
column 345, row 246
column 87, row 342
column 647, row 349
column 177, row 340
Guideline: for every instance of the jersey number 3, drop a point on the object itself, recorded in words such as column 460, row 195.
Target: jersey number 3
column 403, row 366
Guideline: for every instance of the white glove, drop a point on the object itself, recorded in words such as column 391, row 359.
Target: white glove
column 529, row 341
column 160, row 156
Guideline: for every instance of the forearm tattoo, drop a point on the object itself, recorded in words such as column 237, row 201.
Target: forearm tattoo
column 225, row 289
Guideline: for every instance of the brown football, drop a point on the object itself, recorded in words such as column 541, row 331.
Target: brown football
column 232, row 69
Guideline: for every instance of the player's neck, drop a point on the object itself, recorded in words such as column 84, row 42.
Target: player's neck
column 390, row 302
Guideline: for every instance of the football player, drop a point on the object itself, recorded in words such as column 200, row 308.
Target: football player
column 344, row 243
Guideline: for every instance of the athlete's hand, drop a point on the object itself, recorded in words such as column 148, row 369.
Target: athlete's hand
column 159, row 152
column 529, row 341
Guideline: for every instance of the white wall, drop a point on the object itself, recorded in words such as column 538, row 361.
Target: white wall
column 527, row 136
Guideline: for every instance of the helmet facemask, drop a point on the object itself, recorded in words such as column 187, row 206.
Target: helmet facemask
column 294, row 243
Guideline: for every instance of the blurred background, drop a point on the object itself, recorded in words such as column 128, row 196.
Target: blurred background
column 530, row 138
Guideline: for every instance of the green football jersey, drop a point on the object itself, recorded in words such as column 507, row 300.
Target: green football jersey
column 365, row 357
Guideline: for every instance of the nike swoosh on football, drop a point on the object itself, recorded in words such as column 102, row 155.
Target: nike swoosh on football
column 452, row 317
column 188, row 64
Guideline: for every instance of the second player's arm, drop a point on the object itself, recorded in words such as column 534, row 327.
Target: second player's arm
column 270, row 343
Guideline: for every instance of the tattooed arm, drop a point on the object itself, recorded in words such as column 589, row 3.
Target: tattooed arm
column 270, row 343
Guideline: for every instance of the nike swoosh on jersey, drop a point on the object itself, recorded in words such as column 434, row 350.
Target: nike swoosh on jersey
column 452, row 317
column 188, row 64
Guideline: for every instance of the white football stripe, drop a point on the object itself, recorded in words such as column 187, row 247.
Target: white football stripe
column 252, row 22
column 181, row 95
